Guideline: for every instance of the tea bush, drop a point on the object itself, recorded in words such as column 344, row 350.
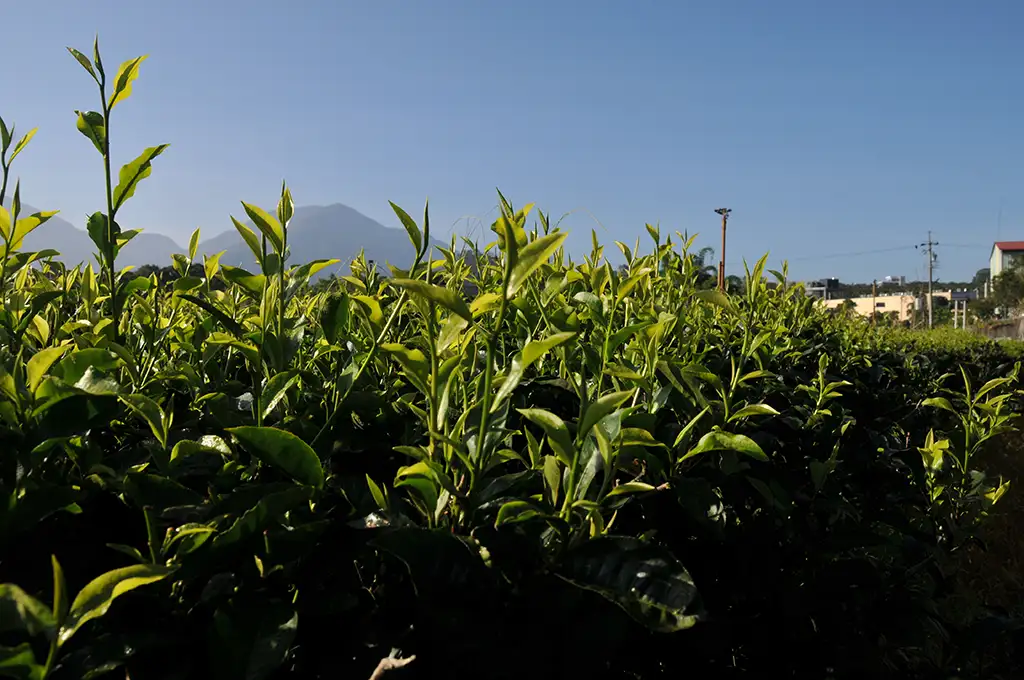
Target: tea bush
column 501, row 466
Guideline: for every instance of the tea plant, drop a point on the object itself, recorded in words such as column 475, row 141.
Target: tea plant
column 498, row 460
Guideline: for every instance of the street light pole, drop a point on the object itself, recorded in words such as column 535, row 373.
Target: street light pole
column 724, row 212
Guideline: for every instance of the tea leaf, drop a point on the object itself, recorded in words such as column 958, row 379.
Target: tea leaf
column 40, row 363
column 21, row 611
column 630, row 488
column 94, row 127
column 753, row 410
column 643, row 579
column 20, row 146
column 223, row 318
column 517, row 511
column 84, row 61
column 448, row 299
column 133, row 173
column 151, row 412
column 531, row 257
column 27, row 225
column 268, row 226
column 724, row 441
column 126, row 74
column 555, row 429
column 284, row 450
column 410, row 227
column 20, row 663
column 415, row 365
column 276, row 389
column 95, row 598
column 61, row 606
column 533, row 351
column 715, row 297
column 601, row 408
column 250, row 239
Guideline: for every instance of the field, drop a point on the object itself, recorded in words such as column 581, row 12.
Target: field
column 524, row 467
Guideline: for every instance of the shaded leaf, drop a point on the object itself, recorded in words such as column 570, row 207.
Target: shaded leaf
column 284, row 450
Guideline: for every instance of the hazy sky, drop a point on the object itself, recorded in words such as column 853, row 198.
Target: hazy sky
column 828, row 127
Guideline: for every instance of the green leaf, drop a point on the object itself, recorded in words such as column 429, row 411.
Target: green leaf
column 250, row 239
column 223, row 318
column 600, row 408
column 158, row 491
column 26, row 225
column 717, row 440
column 20, row 663
column 530, row 353
column 283, row 449
column 940, row 402
column 552, row 479
column 20, row 146
column 41, row 362
column 84, row 61
column 74, row 366
column 753, row 410
column 95, row 598
column 151, row 412
column 334, row 317
column 555, row 429
column 251, row 639
column 685, row 432
column 531, row 257
column 629, row 488
column 21, row 611
column 415, row 366
column 94, row 127
column 276, row 389
column 517, row 511
column 5, row 136
column 448, row 299
column 410, row 227
column 61, row 605
column 133, row 173
column 128, row 72
column 643, row 579
column 379, row 497
column 268, row 226
column 715, row 297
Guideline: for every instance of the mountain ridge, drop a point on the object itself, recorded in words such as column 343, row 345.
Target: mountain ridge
column 333, row 231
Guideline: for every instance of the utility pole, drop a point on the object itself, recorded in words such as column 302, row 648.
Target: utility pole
column 724, row 212
column 931, row 264
column 874, row 292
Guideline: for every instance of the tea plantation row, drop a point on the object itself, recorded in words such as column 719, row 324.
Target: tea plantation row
column 502, row 466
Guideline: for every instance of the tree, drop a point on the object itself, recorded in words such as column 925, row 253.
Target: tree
column 981, row 277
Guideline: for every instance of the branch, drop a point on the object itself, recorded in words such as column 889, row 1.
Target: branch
column 389, row 664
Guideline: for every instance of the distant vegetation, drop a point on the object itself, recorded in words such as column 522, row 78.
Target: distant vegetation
column 499, row 464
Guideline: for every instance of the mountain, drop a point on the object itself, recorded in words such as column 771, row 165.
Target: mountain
column 315, row 233
column 325, row 232
column 75, row 246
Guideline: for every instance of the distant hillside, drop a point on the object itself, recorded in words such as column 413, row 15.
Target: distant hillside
column 325, row 232
column 75, row 246
column 315, row 232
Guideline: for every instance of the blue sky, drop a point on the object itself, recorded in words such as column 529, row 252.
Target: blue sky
column 829, row 128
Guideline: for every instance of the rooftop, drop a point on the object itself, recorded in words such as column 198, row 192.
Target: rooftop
column 1009, row 245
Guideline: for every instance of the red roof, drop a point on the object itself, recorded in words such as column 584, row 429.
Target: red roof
column 1010, row 245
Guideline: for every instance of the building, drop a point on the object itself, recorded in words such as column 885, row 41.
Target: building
column 1004, row 255
column 823, row 288
column 903, row 305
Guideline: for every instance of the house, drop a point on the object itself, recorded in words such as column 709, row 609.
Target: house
column 901, row 304
column 1004, row 255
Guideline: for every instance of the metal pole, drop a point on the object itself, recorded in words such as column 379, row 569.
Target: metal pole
column 724, row 212
column 873, row 307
